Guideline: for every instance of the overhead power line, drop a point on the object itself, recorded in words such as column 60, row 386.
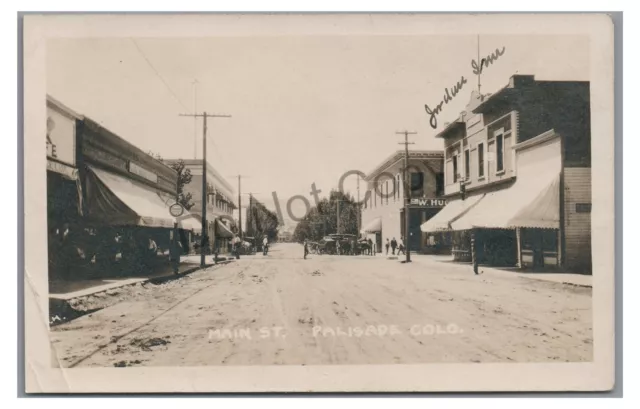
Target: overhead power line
column 164, row 82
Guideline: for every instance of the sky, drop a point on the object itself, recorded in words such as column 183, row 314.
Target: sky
column 304, row 109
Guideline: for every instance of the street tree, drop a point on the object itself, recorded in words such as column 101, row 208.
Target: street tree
column 184, row 178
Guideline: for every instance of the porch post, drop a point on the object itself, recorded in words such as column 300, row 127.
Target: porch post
column 519, row 243
column 474, row 255
column 559, row 252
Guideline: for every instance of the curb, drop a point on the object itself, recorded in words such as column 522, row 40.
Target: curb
column 62, row 306
column 521, row 275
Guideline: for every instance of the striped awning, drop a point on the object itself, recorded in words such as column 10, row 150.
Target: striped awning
column 116, row 200
column 223, row 231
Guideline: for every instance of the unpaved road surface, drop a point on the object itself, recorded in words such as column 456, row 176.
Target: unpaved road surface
column 281, row 309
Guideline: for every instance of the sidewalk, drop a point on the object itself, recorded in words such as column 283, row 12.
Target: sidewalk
column 69, row 289
column 582, row 280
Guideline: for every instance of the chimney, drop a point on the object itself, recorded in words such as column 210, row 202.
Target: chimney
column 518, row 81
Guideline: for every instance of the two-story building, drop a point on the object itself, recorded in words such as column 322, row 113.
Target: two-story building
column 518, row 176
column 220, row 205
column 383, row 206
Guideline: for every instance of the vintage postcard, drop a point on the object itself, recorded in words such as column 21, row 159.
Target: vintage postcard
column 318, row 203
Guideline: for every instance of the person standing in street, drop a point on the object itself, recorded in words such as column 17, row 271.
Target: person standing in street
column 174, row 254
column 386, row 247
column 401, row 247
column 265, row 246
column 236, row 243
column 370, row 245
column 306, row 249
column 394, row 244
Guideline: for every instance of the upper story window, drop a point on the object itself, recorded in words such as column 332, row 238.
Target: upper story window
column 386, row 191
column 439, row 184
column 375, row 195
column 417, row 184
column 454, row 160
column 480, row 160
column 467, row 164
column 499, row 151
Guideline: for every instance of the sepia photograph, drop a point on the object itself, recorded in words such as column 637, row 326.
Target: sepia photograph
column 281, row 198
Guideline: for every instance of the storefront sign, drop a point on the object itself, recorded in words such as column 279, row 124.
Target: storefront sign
column 583, row 207
column 428, row 203
column 176, row 210
column 61, row 135
column 142, row 172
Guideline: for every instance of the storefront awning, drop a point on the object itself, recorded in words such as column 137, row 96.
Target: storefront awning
column 190, row 224
column 374, row 226
column 223, row 231
column 115, row 200
column 544, row 211
column 450, row 213
column 531, row 203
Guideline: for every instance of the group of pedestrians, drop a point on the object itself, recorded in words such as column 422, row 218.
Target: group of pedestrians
column 394, row 245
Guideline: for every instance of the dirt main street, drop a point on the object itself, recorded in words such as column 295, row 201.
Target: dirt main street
column 281, row 309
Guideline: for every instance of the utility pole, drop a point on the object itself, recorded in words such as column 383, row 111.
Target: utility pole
column 407, row 198
column 359, row 205
column 240, row 206
column 241, row 234
column 338, row 216
column 204, row 238
column 195, row 119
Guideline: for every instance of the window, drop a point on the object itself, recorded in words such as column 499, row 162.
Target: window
column 386, row 187
column 455, row 168
column 467, row 164
column 375, row 196
column 480, row 160
column 417, row 184
column 439, row 184
column 499, row 152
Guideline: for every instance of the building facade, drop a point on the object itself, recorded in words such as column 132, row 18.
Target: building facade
column 220, row 204
column 64, row 209
column 383, row 206
column 109, row 211
column 518, row 176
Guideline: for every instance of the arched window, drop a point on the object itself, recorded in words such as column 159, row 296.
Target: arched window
column 386, row 190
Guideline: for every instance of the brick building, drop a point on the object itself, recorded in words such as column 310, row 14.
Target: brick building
column 383, row 209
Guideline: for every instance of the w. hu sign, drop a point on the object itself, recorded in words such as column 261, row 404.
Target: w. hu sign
column 429, row 203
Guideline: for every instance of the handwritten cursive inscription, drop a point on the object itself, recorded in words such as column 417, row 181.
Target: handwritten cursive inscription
column 450, row 93
column 433, row 120
column 485, row 62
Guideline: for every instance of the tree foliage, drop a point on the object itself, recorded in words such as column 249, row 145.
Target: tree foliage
column 323, row 218
column 261, row 221
column 184, row 178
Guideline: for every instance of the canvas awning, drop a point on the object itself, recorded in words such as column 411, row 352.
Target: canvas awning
column 450, row 213
column 190, row 223
column 534, row 202
column 115, row 200
column 223, row 231
column 374, row 226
